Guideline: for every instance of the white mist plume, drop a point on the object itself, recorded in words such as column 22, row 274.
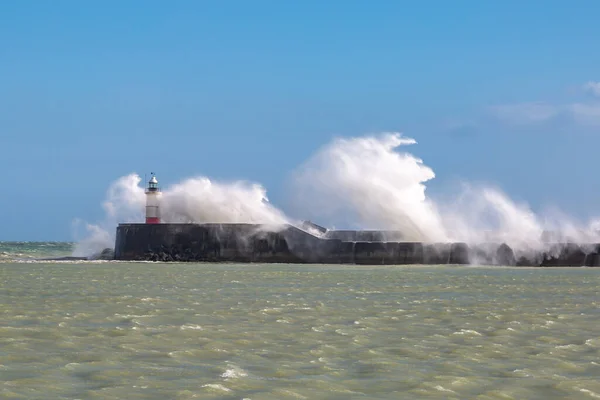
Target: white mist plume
column 203, row 201
column 124, row 202
column 195, row 200
column 92, row 241
column 368, row 181
column 482, row 214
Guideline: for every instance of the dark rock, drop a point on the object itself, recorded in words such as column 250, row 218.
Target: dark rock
column 523, row 261
column 107, row 254
column 459, row 254
column 564, row 255
column 505, row 255
column 436, row 253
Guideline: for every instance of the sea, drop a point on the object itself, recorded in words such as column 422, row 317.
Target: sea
column 120, row 330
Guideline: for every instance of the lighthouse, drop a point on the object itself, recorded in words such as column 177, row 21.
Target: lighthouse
column 152, row 201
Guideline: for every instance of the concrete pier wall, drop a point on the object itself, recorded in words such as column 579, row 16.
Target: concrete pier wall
column 288, row 244
column 365, row 236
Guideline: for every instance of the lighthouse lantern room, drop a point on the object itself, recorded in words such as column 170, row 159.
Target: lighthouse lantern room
column 152, row 201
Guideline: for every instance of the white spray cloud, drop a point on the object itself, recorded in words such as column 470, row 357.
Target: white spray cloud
column 124, row 202
column 194, row 200
column 369, row 181
column 374, row 183
column 202, row 200
column 481, row 214
column 92, row 240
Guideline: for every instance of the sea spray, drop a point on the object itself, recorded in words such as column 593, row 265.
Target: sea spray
column 194, row 200
column 372, row 185
column 370, row 181
column 204, row 201
column 124, row 202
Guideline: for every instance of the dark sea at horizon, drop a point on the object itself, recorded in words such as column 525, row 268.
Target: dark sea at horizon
column 115, row 330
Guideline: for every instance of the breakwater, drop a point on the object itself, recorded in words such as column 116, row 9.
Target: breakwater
column 289, row 244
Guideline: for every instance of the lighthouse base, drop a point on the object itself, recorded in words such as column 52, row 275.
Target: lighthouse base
column 152, row 220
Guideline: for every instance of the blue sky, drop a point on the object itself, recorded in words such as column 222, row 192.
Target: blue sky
column 501, row 92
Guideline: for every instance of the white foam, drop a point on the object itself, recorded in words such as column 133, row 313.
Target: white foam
column 216, row 386
column 234, row 372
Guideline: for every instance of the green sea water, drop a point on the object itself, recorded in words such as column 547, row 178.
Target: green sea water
column 116, row 330
column 33, row 250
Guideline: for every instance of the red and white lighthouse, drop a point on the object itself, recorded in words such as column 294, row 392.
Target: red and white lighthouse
column 152, row 201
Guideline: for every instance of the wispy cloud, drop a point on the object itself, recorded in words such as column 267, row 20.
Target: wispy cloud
column 592, row 87
column 460, row 128
column 588, row 114
column 525, row 113
column 541, row 112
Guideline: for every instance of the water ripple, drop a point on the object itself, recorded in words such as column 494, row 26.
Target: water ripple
column 152, row 331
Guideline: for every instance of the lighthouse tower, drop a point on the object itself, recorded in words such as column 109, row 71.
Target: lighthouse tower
column 152, row 201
